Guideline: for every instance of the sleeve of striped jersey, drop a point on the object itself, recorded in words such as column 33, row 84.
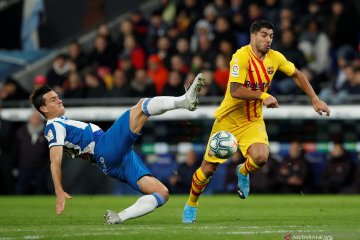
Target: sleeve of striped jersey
column 238, row 65
column 55, row 134
column 285, row 66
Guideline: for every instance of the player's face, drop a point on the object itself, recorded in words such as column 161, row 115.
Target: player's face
column 263, row 40
column 53, row 105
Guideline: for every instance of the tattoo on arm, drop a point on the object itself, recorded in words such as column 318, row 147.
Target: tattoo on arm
column 234, row 86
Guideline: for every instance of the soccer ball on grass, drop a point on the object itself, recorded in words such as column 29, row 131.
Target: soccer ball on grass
column 223, row 144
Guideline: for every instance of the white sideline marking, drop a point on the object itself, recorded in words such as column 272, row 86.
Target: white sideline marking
column 114, row 230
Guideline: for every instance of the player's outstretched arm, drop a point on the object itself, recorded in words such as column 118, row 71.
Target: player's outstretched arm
column 56, row 153
column 238, row 90
column 319, row 106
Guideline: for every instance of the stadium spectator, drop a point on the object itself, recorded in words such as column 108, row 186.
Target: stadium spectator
column 197, row 63
column 190, row 12
column 102, row 54
column 177, row 64
column 352, row 85
column 285, row 85
column 164, row 50
column 221, row 73
column 157, row 72
column 175, row 84
column 338, row 171
column 202, row 29
column 124, row 63
column 272, row 11
column 32, row 156
column 168, row 10
column 7, row 185
column 77, row 56
column 121, row 87
column 75, row 88
column 58, row 73
column 210, row 14
column 157, row 28
column 112, row 150
column 180, row 181
column 222, row 8
column 94, row 86
column 142, row 85
column 207, row 52
column 226, row 48
column 11, row 90
column 315, row 45
column 210, row 88
column 223, row 31
column 293, row 170
column 183, row 49
column 39, row 81
column 139, row 26
column 134, row 51
column 340, row 25
column 125, row 29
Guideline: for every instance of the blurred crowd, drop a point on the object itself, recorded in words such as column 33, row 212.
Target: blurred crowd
column 154, row 54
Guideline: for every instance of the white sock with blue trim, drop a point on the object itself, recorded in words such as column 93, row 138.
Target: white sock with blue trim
column 159, row 105
column 142, row 206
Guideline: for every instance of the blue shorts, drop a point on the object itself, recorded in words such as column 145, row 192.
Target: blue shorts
column 115, row 155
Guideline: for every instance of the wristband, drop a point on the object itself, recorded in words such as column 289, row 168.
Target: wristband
column 264, row 95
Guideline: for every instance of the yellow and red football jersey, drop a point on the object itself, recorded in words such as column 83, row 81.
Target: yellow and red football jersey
column 255, row 74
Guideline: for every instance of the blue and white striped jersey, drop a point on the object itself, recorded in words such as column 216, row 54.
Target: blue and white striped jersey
column 75, row 135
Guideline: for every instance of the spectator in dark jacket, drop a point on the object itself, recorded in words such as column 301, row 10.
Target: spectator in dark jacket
column 338, row 172
column 294, row 170
column 32, row 156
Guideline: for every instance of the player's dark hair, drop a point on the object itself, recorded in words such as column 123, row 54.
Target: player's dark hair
column 259, row 24
column 37, row 97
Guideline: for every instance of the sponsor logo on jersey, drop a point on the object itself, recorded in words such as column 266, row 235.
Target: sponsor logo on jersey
column 270, row 69
column 103, row 165
column 256, row 86
column 235, row 70
column 49, row 136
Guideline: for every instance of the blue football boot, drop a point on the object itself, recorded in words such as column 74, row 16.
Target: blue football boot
column 243, row 187
column 189, row 215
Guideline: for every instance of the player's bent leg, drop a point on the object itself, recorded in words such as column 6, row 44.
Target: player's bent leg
column 243, row 186
column 137, row 117
column 200, row 179
column 156, row 195
column 257, row 156
column 159, row 105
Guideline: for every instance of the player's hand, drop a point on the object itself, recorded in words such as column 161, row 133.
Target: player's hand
column 60, row 201
column 271, row 102
column 321, row 107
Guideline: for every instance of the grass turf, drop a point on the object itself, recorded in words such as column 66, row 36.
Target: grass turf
column 219, row 217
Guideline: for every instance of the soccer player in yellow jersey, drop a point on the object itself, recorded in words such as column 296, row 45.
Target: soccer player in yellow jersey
column 251, row 70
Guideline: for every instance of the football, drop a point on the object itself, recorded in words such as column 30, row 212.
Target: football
column 223, row 144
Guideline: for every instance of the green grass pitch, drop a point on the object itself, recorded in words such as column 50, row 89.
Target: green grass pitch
column 219, row 217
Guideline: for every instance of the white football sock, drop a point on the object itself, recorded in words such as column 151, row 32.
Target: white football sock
column 142, row 206
column 159, row 105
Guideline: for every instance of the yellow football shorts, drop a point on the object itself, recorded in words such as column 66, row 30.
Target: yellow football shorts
column 246, row 134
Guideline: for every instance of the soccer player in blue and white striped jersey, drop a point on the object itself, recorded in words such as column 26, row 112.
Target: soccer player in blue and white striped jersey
column 111, row 150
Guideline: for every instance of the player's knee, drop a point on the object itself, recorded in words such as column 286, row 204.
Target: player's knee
column 165, row 193
column 260, row 159
column 208, row 168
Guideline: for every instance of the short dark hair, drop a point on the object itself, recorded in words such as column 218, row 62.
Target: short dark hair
column 37, row 97
column 259, row 24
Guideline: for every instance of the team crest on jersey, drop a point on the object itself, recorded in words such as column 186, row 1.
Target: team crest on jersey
column 270, row 69
column 49, row 136
column 235, row 70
